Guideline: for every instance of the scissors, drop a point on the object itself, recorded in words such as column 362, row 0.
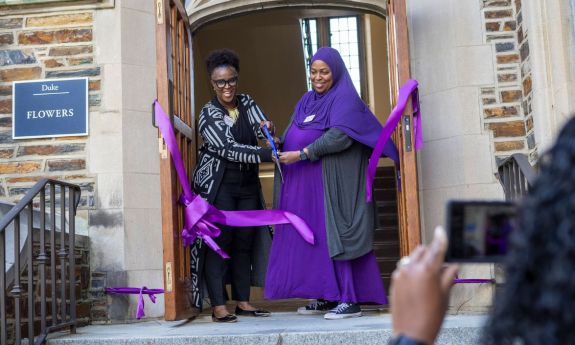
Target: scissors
column 274, row 151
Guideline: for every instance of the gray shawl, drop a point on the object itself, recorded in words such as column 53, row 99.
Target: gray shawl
column 349, row 219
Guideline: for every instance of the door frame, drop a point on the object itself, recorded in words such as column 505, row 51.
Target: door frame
column 175, row 95
column 177, row 300
column 399, row 68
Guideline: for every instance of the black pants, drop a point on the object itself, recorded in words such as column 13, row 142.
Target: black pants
column 239, row 190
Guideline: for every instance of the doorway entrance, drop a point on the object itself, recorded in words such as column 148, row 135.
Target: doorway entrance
column 274, row 44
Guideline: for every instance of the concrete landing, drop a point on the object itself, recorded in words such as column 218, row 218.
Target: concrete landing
column 279, row 329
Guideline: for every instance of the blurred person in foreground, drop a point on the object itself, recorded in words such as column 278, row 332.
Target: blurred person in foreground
column 536, row 303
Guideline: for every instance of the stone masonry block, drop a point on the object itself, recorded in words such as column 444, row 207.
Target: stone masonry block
column 80, row 61
column 498, row 14
column 527, row 85
column 6, row 38
column 488, row 101
column 504, row 47
column 16, row 57
column 510, row 145
column 510, row 96
column 66, row 51
column 524, row 51
column 47, row 150
column 94, row 85
column 500, row 112
column 6, row 137
column 507, row 129
column 19, row 167
column 496, row 3
column 5, row 90
column 23, row 179
column 94, row 100
column 6, row 121
column 6, row 153
column 498, row 36
column 510, row 26
column 487, row 91
column 60, row 20
column 520, row 36
column 6, row 106
column 54, row 63
column 65, row 165
column 529, row 123
column 507, row 77
column 531, row 141
column 86, row 72
column 492, row 26
column 53, row 37
column 507, row 58
column 14, row 74
column 11, row 23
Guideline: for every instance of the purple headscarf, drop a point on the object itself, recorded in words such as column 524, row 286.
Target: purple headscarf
column 341, row 107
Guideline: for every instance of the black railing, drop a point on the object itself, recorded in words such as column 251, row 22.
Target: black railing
column 516, row 176
column 38, row 212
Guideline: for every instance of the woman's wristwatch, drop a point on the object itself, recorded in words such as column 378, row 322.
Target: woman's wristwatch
column 403, row 340
column 302, row 155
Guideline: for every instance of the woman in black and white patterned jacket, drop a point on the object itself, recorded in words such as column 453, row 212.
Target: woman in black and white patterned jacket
column 227, row 177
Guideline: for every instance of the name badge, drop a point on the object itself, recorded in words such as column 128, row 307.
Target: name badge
column 228, row 121
column 309, row 118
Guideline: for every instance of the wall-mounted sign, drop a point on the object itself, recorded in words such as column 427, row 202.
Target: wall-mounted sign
column 50, row 108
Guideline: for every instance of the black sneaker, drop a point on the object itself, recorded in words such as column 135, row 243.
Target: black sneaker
column 343, row 311
column 320, row 306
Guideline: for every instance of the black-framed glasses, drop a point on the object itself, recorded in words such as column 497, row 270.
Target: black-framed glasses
column 222, row 83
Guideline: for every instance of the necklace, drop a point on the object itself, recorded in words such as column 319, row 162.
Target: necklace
column 234, row 113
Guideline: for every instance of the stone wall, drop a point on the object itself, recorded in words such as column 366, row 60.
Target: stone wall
column 45, row 46
column 506, row 105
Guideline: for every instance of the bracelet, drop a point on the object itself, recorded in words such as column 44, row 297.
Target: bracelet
column 302, row 155
column 404, row 340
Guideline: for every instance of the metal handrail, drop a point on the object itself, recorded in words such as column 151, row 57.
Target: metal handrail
column 64, row 256
column 30, row 195
column 516, row 176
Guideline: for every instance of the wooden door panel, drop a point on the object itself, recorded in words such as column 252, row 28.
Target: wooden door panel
column 408, row 197
column 174, row 93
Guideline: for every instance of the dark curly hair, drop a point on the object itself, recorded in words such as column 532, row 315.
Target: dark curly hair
column 536, row 304
column 222, row 57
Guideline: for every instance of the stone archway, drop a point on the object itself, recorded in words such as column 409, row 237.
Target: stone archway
column 202, row 12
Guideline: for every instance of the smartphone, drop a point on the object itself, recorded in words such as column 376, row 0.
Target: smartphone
column 479, row 231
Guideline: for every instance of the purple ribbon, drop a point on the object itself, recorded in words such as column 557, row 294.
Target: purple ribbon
column 141, row 292
column 408, row 89
column 200, row 216
column 473, row 281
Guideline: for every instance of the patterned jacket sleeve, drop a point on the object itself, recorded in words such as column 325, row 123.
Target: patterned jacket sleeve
column 219, row 140
column 255, row 115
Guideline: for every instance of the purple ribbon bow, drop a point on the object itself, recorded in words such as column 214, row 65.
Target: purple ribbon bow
column 200, row 216
column 408, row 89
column 141, row 292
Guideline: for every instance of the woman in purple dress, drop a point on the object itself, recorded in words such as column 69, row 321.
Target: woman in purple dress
column 325, row 155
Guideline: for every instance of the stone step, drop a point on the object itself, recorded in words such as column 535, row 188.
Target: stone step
column 280, row 328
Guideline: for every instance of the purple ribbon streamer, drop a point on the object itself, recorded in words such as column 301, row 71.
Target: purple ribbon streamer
column 408, row 89
column 473, row 281
column 141, row 292
column 200, row 216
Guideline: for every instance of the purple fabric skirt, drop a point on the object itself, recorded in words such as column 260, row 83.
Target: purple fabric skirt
column 299, row 270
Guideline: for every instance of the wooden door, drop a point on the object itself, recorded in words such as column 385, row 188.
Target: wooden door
column 408, row 197
column 174, row 90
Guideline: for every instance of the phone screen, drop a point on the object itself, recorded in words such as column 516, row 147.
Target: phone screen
column 479, row 231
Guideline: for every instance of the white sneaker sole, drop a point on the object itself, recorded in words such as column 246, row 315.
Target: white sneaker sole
column 334, row 316
column 303, row 311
